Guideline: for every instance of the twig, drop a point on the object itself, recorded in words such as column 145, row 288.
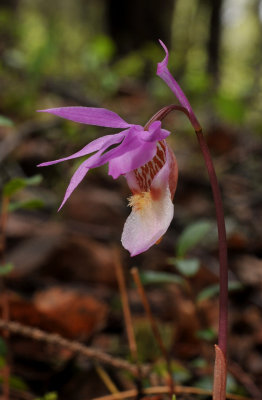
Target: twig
column 53, row 338
column 165, row 389
column 106, row 379
column 127, row 313
column 125, row 304
column 155, row 330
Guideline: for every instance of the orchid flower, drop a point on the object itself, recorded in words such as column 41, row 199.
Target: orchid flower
column 143, row 157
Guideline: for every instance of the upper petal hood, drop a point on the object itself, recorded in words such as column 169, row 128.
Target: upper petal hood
column 138, row 147
column 154, row 133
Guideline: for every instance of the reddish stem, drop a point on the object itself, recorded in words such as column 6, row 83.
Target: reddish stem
column 223, row 273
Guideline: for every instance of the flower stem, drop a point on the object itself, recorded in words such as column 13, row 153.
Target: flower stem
column 223, row 272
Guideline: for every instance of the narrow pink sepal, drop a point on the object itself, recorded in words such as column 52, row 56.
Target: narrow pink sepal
column 76, row 179
column 97, row 144
column 92, row 162
column 90, row 116
column 164, row 73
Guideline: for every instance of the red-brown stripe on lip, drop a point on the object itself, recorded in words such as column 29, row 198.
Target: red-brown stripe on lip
column 145, row 174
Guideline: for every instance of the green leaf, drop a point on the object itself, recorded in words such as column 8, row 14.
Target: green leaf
column 13, row 186
column 104, row 48
column 27, row 205
column 5, row 269
column 154, row 277
column 5, row 121
column 205, row 382
column 16, row 184
column 191, row 236
column 2, row 363
column 229, row 108
column 206, row 334
column 48, row 396
column 187, row 267
column 180, row 373
column 16, row 383
column 34, row 180
column 213, row 290
column 3, row 348
column 199, row 363
column 232, row 385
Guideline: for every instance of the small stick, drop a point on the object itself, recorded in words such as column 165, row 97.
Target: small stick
column 125, row 304
column 74, row 346
column 165, row 389
column 127, row 312
column 106, row 379
column 154, row 327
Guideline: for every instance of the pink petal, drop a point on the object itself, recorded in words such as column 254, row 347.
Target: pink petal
column 131, row 154
column 131, row 160
column 143, row 229
column 104, row 141
column 163, row 73
column 90, row 116
column 137, row 149
column 154, row 133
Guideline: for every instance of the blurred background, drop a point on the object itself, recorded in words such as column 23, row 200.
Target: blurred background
column 58, row 269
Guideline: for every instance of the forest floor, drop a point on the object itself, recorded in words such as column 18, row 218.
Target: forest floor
column 64, row 278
